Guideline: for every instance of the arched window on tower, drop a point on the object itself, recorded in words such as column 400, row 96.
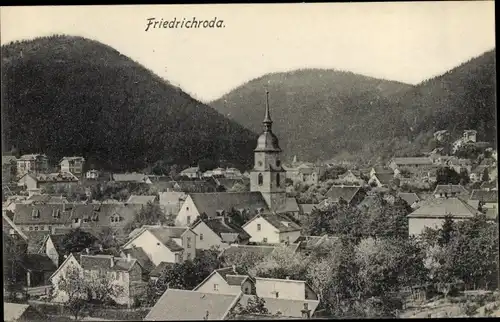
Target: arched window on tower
column 261, row 179
column 278, row 179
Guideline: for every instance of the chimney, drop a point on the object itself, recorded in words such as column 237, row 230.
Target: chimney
column 112, row 261
column 128, row 257
column 234, row 269
column 87, row 251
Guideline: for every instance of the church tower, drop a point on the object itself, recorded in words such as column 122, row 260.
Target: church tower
column 268, row 175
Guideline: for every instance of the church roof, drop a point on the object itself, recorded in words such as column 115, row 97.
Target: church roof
column 267, row 141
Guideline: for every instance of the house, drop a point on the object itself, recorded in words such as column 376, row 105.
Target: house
column 35, row 163
column 307, row 244
column 381, row 180
column 485, row 199
column 272, row 229
column 284, row 289
column 350, row 178
column 411, row 198
column 35, row 269
column 45, row 199
column 53, row 248
column 164, row 244
column 350, row 194
column 171, row 202
column 306, row 173
column 192, row 173
column 380, row 170
column 411, row 162
column 16, row 312
column 72, row 165
column 9, row 168
column 186, row 186
column 92, row 174
column 142, row 200
column 218, row 232
column 142, row 258
column 125, row 272
column 181, row 305
column 41, row 180
column 450, row 190
column 307, row 208
column 226, row 281
column 491, row 185
column 284, row 308
column 216, row 203
column 131, row 177
column 233, row 173
column 432, row 212
column 91, row 217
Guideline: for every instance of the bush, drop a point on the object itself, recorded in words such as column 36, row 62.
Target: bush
column 470, row 308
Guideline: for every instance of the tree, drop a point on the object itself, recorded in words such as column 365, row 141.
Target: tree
column 282, row 263
column 150, row 214
column 446, row 230
column 77, row 240
column 485, row 177
column 447, row 175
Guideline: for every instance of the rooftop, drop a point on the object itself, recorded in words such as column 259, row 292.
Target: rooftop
column 487, row 196
column 106, row 262
column 211, row 203
column 288, row 308
column 347, row 193
column 440, row 207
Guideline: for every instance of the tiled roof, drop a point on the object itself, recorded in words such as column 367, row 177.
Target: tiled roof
column 7, row 159
column 409, row 197
column 190, row 170
column 35, row 240
column 135, row 199
column 489, row 185
column 380, row 170
column 130, row 177
column 450, row 188
column 165, row 234
column 291, row 308
column 37, row 263
column 56, row 177
column 235, row 279
column 13, row 311
column 198, row 186
column 228, row 183
column 210, row 203
column 141, row 257
column 490, row 196
column 223, row 228
column 291, row 205
column 28, row 157
column 439, row 207
column 46, row 198
column 384, row 178
column 260, row 251
column 344, row 192
column 281, row 222
column 160, row 268
column 413, row 161
column 191, row 305
column 106, row 262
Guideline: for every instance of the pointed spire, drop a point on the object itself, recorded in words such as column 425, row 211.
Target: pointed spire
column 267, row 119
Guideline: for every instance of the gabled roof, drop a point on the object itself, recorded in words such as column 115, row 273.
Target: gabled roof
column 347, row 193
column 290, row 205
column 210, row 203
column 137, row 199
column 130, row 177
column 490, row 196
column 226, row 230
column 288, row 308
column 106, row 262
column 384, row 178
column 450, row 188
column 164, row 234
column 413, row 161
column 197, row 186
column 440, row 207
column 190, row 170
column 279, row 221
column 35, row 240
column 489, row 185
column 191, row 305
column 141, row 257
column 15, row 311
column 72, row 159
column 7, row 222
column 29, row 157
column 37, row 263
column 45, row 198
column 58, row 241
column 228, row 274
column 228, row 183
column 307, row 208
column 8, row 159
column 409, row 197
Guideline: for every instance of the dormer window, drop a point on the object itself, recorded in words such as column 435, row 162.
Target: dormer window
column 95, row 218
column 76, row 220
column 115, row 218
column 35, row 213
column 56, row 213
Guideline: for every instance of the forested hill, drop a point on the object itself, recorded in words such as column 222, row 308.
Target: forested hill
column 66, row 95
column 321, row 113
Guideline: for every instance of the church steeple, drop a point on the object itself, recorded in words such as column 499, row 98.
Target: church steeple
column 267, row 118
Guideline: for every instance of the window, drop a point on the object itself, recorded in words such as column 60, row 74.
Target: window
column 259, row 227
column 188, row 218
column 306, row 306
column 264, row 240
column 177, row 258
column 31, row 228
column 259, row 163
column 216, row 287
column 76, row 220
column 247, row 291
column 35, row 213
column 278, row 163
column 188, row 255
column 201, row 236
column 187, row 208
column 49, row 228
column 260, row 179
column 36, row 227
column 277, row 294
column 277, row 179
column 188, row 242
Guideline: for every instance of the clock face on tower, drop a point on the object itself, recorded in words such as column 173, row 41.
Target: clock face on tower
column 259, row 163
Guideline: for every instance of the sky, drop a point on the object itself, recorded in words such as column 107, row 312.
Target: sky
column 407, row 42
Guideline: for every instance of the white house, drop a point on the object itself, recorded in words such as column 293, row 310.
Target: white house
column 73, row 165
column 226, row 281
column 164, row 244
column 214, row 204
column 193, row 173
column 272, row 229
column 92, row 174
column 218, row 232
column 284, row 289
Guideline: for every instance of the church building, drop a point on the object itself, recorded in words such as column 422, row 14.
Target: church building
column 267, row 186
